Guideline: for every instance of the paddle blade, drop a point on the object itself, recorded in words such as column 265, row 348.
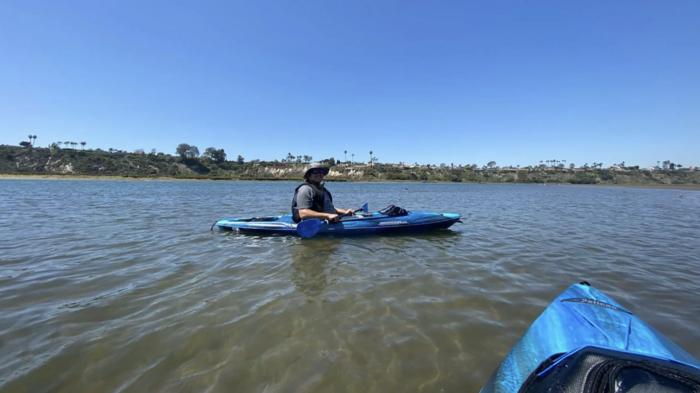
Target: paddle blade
column 309, row 228
column 365, row 208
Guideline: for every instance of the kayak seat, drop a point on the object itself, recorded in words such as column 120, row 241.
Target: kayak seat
column 394, row 211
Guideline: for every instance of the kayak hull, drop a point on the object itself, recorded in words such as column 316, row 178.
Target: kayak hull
column 579, row 319
column 366, row 224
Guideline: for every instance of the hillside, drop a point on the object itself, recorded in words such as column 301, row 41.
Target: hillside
column 15, row 160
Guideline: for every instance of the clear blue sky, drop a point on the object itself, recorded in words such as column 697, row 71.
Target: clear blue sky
column 428, row 81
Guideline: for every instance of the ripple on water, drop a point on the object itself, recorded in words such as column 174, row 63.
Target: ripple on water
column 122, row 287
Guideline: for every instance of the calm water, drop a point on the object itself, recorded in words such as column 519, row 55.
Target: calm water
column 121, row 286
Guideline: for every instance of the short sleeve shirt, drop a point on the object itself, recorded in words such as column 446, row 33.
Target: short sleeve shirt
column 305, row 200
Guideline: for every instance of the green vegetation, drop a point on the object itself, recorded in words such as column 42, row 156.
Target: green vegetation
column 213, row 164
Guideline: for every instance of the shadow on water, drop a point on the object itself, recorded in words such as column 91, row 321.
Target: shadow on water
column 310, row 260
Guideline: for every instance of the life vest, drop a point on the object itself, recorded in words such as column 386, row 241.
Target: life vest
column 318, row 203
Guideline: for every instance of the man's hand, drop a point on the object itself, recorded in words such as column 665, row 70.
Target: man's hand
column 345, row 212
column 333, row 217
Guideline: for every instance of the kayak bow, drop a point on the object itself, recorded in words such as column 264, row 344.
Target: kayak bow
column 586, row 342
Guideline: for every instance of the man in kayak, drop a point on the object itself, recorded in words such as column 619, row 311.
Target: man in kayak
column 313, row 200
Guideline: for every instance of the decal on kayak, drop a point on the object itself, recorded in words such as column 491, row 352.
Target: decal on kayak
column 595, row 302
column 393, row 223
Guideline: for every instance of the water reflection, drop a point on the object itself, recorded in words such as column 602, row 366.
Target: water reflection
column 310, row 260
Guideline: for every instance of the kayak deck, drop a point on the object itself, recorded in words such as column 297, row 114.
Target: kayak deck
column 579, row 322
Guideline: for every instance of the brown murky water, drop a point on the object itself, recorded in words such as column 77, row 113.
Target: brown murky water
column 120, row 285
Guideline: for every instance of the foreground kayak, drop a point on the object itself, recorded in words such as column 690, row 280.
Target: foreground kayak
column 362, row 224
column 586, row 342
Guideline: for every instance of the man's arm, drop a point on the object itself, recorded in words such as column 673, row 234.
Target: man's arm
column 308, row 213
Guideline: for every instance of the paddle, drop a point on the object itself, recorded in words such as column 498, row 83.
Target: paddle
column 309, row 228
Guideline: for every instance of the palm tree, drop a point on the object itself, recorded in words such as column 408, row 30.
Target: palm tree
column 30, row 138
column 345, row 152
column 83, row 143
column 353, row 157
column 370, row 157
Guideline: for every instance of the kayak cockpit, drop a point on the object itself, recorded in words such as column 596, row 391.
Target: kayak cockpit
column 258, row 219
column 607, row 370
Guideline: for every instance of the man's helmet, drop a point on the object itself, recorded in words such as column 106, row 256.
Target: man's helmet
column 316, row 167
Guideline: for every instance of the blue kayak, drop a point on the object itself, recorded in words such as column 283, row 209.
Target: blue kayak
column 361, row 224
column 586, row 342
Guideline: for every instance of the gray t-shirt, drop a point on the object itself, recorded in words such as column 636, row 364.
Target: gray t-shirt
column 305, row 200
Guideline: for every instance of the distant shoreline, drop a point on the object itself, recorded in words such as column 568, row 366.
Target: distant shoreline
column 692, row 187
column 82, row 177
column 55, row 163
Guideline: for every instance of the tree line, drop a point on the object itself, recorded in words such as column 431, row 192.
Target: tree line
column 191, row 152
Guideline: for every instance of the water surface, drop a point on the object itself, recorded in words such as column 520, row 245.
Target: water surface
column 121, row 286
